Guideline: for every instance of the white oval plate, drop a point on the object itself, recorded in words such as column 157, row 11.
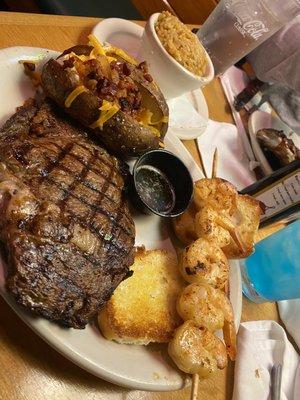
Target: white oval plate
column 136, row 367
column 127, row 35
column 263, row 120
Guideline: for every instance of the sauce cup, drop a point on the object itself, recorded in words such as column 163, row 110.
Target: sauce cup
column 161, row 184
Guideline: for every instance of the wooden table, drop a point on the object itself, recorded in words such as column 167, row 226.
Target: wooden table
column 29, row 368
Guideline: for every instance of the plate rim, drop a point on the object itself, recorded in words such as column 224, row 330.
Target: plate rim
column 61, row 346
column 266, row 167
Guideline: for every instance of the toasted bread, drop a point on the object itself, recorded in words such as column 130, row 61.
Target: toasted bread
column 248, row 217
column 143, row 307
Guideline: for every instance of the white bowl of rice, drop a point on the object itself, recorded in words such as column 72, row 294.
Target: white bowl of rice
column 177, row 60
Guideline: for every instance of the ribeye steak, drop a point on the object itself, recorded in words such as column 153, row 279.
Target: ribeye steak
column 64, row 220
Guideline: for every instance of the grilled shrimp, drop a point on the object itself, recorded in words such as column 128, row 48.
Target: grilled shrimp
column 209, row 308
column 196, row 350
column 184, row 226
column 204, row 262
column 216, row 193
column 207, row 225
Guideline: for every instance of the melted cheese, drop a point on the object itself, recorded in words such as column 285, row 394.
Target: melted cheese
column 154, row 131
column 146, row 119
column 72, row 96
column 121, row 53
column 165, row 119
column 94, row 42
column 107, row 110
column 107, row 105
column 103, row 50
column 82, row 57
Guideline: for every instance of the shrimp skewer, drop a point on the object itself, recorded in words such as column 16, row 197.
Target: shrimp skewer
column 209, row 308
column 197, row 351
column 206, row 227
column 204, row 262
column 216, row 193
column 218, row 227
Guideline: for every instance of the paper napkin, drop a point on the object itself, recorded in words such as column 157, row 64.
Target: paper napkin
column 261, row 344
column 233, row 163
column 186, row 122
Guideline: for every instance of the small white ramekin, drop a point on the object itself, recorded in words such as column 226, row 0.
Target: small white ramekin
column 172, row 78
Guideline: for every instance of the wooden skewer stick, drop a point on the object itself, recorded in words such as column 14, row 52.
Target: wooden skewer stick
column 215, row 164
column 195, row 385
column 230, row 227
column 234, row 233
column 201, row 161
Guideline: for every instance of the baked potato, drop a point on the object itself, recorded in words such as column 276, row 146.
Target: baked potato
column 106, row 90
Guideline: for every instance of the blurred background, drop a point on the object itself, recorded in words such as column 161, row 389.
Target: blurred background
column 189, row 11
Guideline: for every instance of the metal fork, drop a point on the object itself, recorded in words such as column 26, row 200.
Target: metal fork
column 276, row 374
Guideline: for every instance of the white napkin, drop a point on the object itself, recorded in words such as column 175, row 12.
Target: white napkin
column 188, row 115
column 233, row 163
column 183, row 115
column 186, row 122
column 261, row 344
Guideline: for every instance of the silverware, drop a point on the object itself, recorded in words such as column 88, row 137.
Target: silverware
column 276, row 373
column 246, row 95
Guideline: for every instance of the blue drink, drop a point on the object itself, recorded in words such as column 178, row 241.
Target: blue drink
column 273, row 272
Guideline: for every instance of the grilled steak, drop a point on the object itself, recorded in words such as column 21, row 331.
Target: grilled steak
column 64, row 219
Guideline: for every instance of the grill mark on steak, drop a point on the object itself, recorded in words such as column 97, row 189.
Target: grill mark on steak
column 78, row 179
column 89, row 185
column 54, row 162
column 95, row 207
column 98, row 202
column 68, row 253
column 111, row 166
column 113, row 229
column 91, row 168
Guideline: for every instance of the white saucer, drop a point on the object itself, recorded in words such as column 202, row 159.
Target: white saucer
column 127, row 35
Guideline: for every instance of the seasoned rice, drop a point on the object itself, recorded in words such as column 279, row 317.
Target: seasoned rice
column 181, row 43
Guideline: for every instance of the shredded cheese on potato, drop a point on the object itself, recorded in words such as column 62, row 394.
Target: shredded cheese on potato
column 75, row 93
column 94, row 42
column 121, row 53
column 103, row 50
column 165, row 119
column 107, row 110
column 81, row 57
column 146, row 118
column 94, row 54
column 154, row 131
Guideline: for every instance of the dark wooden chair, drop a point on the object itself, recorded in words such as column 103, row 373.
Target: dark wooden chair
column 189, row 11
column 89, row 8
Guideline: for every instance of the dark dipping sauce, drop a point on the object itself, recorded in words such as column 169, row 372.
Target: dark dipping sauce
column 155, row 189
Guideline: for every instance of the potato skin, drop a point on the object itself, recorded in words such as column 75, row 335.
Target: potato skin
column 57, row 85
column 121, row 134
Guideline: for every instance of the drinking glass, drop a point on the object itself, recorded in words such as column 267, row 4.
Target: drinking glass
column 236, row 27
column 272, row 272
